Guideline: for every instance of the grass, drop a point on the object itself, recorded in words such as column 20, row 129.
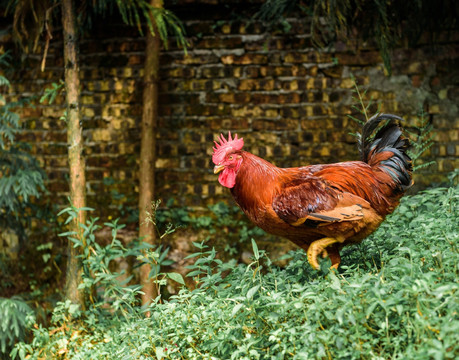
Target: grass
column 394, row 297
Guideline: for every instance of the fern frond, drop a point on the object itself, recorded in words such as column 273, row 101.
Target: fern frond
column 14, row 313
column 50, row 94
column 423, row 166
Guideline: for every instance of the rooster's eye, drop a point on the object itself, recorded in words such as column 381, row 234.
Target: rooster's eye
column 231, row 157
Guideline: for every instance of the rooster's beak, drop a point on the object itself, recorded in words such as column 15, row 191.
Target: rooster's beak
column 218, row 168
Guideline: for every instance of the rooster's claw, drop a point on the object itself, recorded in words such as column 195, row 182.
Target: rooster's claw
column 319, row 247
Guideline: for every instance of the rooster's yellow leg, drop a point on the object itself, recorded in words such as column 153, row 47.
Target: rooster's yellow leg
column 319, row 247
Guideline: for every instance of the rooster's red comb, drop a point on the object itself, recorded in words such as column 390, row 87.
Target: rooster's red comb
column 226, row 146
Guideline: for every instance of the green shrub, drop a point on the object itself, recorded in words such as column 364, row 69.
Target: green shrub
column 221, row 219
column 395, row 297
column 14, row 315
column 21, row 177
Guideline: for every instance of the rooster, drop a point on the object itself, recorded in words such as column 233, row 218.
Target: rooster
column 321, row 208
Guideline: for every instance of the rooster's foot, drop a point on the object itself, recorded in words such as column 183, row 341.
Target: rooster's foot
column 319, row 247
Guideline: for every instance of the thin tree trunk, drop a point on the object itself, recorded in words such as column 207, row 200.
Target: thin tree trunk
column 75, row 148
column 148, row 151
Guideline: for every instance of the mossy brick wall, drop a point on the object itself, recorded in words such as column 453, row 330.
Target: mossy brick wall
column 289, row 101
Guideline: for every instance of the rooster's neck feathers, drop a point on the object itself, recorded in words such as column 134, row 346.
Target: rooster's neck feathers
column 256, row 182
column 255, row 168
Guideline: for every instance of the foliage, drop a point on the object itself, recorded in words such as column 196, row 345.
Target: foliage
column 21, row 182
column 156, row 257
column 50, row 94
column 134, row 13
column 227, row 219
column 21, row 176
column 105, row 286
column 395, row 297
column 39, row 16
column 385, row 22
column 359, row 99
column 109, row 192
column 165, row 21
column 14, row 316
column 421, row 140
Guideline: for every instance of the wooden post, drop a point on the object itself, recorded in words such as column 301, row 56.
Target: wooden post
column 148, row 150
column 75, row 148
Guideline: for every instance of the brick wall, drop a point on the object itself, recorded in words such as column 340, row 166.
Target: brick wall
column 287, row 99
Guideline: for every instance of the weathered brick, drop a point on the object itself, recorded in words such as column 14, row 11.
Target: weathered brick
column 316, row 123
column 293, row 112
column 362, row 58
column 243, row 111
column 212, row 42
column 307, row 57
column 191, row 59
column 281, row 124
column 244, row 59
column 55, row 136
column 228, row 123
column 56, row 162
column 167, row 163
column 347, row 83
column 57, row 187
column 52, row 149
column 251, row 84
column 207, row 110
column 234, row 98
column 180, row 72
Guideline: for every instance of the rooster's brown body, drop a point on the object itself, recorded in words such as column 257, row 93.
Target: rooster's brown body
column 322, row 208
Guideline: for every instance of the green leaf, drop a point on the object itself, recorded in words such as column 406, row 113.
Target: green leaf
column 236, row 309
column 159, row 353
column 194, row 273
column 370, row 309
column 176, row 277
column 46, row 257
column 67, row 233
column 193, row 255
column 255, row 249
column 199, row 245
column 252, row 291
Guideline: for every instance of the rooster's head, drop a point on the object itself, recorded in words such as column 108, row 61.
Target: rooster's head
column 227, row 159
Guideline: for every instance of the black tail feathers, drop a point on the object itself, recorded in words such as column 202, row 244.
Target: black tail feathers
column 389, row 138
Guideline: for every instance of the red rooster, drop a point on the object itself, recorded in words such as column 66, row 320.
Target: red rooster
column 321, row 208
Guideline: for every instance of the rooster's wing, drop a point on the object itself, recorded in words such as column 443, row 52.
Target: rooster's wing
column 313, row 202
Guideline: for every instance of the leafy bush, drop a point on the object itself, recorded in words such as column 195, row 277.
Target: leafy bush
column 395, row 297
column 21, row 177
column 222, row 219
column 14, row 314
